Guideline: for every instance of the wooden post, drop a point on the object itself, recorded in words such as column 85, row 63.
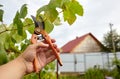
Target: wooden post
column 108, row 61
column 75, row 62
column 57, row 74
column 84, row 62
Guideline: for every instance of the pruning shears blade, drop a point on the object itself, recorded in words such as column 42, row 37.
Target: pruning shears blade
column 39, row 29
column 39, row 24
column 35, row 21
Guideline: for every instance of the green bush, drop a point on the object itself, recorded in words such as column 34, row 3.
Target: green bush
column 115, row 73
column 94, row 73
column 72, row 77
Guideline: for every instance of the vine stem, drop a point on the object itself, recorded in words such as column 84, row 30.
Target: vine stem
column 4, row 26
column 39, row 75
column 12, row 29
column 6, row 31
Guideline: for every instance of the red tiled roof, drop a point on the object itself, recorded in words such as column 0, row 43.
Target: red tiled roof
column 67, row 48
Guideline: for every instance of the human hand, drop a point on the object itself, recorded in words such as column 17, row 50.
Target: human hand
column 42, row 51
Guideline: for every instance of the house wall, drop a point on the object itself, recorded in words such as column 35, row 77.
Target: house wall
column 88, row 45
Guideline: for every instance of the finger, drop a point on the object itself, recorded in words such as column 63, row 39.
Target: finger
column 55, row 46
column 43, row 49
column 52, row 40
column 41, row 44
column 50, row 59
column 49, row 53
column 41, row 58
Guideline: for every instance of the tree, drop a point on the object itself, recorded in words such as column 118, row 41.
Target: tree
column 13, row 37
column 107, row 40
column 111, row 41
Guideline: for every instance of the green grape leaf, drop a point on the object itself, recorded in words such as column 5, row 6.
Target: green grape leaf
column 13, row 40
column 28, row 25
column 57, row 22
column 1, row 15
column 23, row 11
column 76, row 8
column 17, row 16
column 43, row 8
column 27, row 41
column 69, row 16
column 2, row 28
column 70, row 9
column 24, row 44
column 3, row 37
column 34, row 76
column 48, row 26
column 27, row 22
column 11, row 56
column 31, row 29
column 17, row 22
column 64, row 4
column 18, row 38
column 1, row 5
column 55, row 3
column 3, row 55
column 7, row 42
column 10, row 27
column 51, row 14
column 14, row 49
column 52, row 65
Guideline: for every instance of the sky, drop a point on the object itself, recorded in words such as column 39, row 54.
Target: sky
column 97, row 16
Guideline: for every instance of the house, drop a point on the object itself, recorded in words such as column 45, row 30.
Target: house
column 78, row 53
column 86, row 43
column 82, row 53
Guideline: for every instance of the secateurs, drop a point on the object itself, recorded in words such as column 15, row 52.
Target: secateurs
column 39, row 30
